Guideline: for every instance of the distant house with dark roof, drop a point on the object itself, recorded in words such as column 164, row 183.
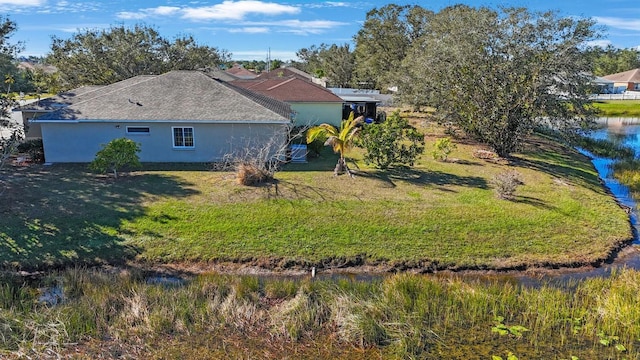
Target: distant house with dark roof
column 627, row 80
column 287, row 72
column 241, row 73
column 312, row 103
column 179, row 116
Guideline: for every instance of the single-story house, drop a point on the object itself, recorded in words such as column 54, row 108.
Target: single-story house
column 625, row 81
column 363, row 102
column 603, row 86
column 179, row 116
column 312, row 103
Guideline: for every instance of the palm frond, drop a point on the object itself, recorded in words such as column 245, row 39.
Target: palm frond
column 320, row 131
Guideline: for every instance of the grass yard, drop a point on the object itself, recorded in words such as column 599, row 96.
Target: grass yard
column 438, row 215
column 629, row 108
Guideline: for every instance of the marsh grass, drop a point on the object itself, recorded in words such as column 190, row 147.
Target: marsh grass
column 401, row 316
column 604, row 148
column 628, row 173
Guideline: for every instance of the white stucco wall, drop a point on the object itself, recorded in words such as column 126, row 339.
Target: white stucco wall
column 79, row 142
column 317, row 113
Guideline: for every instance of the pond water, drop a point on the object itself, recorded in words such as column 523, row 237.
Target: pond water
column 624, row 131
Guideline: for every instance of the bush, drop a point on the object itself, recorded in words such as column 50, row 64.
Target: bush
column 485, row 154
column 506, row 183
column 34, row 148
column 249, row 174
column 315, row 147
column 393, row 142
column 442, row 148
column 115, row 155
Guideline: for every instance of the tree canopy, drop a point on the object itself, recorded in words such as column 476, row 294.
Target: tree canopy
column 8, row 71
column 383, row 41
column 100, row 57
column 499, row 74
column 612, row 60
column 333, row 62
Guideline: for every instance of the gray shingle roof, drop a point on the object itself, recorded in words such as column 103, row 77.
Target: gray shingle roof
column 175, row 96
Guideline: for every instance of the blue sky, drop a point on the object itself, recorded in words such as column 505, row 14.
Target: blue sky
column 248, row 29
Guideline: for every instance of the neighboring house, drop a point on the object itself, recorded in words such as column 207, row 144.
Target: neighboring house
column 30, row 66
column 312, row 103
column 286, row 72
column 180, row 116
column 604, row 86
column 363, row 102
column 33, row 110
column 241, row 73
column 625, row 81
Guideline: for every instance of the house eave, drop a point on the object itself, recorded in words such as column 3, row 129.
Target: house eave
column 76, row 121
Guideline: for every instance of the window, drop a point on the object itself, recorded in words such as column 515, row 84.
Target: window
column 138, row 130
column 183, row 137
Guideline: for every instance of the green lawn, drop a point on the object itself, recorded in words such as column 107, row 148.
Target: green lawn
column 437, row 215
column 629, row 108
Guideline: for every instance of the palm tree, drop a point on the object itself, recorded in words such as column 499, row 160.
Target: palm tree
column 339, row 139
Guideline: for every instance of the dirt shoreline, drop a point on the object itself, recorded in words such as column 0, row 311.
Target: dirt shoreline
column 627, row 255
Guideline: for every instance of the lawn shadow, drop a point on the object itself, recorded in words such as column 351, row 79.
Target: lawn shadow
column 59, row 216
column 532, row 201
column 548, row 158
column 423, row 178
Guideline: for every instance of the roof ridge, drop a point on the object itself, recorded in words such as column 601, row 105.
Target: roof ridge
column 281, row 83
column 148, row 78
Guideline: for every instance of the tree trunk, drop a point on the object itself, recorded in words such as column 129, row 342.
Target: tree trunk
column 341, row 167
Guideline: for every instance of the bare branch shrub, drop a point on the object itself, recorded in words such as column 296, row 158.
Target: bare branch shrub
column 506, row 183
column 257, row 161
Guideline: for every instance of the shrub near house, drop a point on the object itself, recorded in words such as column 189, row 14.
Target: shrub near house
column 115, row 155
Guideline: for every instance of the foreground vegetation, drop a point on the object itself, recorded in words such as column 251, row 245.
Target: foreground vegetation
column 630, row 108
column 437, row 215
column 129, row 315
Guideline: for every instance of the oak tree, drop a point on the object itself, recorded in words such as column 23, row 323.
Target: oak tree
column 102, row 57
column 499, row 74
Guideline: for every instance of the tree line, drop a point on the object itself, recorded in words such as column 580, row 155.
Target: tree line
column 493, row 72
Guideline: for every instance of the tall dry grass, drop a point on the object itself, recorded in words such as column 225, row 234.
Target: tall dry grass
column 401, row 316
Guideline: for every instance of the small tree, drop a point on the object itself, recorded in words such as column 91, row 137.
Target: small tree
column 115, row 155
column 392, row 142
column 339, row 139
column 442, row 148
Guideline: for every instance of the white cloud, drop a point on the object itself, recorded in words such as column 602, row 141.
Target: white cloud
column 619, row 23
column 165, row 10
column 128, row 15
column 145, row 13
column 237, row 10
column 227, row 10
column 262, row 55
column 23, row 2
column 299, row 27
column 250, row 30
column 331, row 4
column 599, row 43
